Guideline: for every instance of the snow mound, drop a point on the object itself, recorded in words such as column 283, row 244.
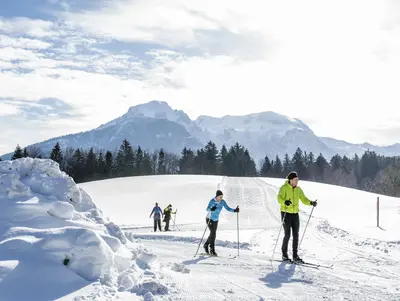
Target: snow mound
column 179, row 267
column 47, row 218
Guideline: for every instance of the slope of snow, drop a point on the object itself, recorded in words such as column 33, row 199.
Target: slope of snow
column 55, row 243
column 365, row 259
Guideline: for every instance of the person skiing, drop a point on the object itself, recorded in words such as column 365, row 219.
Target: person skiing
column 167, row 216
column 157, row 217
column 213, row 210
column 288, row 197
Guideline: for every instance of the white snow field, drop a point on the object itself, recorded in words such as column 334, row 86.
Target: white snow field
column 95, row 241
column 342, row 231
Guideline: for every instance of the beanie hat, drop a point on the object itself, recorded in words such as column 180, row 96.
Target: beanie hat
column 292, row 175
column 219, row 192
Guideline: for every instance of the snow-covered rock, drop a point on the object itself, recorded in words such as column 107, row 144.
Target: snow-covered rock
column 45, row 217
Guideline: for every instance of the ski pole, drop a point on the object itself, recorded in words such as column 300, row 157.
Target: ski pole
column 202, row 238
column 176, row 211
column 306, row 226
column 277, row 239
column 238, row 230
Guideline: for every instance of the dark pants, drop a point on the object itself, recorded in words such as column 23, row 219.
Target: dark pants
column 212, row 225
column 157, row 222
column 167, row 224
column 291, row 221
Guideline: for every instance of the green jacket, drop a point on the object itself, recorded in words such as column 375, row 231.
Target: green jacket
column 287, row 192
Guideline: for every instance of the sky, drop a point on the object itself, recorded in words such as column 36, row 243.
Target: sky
column 67, row 67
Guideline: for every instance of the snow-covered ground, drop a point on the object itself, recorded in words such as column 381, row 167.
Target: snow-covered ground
column 342, row 231
column 95, row 241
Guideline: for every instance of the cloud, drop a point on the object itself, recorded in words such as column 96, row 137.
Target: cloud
column 6, row 41
column 336, row 64
column 30, row 27
column 6, row 109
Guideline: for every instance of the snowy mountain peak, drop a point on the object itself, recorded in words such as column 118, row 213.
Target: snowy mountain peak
column 158, row 109
column 257, row 122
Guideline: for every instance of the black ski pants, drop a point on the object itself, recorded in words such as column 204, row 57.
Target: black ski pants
column 291, row 222
column 157, row 222
column 167, row 224
column 212, row 225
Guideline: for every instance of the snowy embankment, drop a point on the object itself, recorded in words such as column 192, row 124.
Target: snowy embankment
column 56, row 243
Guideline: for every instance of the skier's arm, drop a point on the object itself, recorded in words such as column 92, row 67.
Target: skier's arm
column 227, row 207
column 152, row 212
column 282, row 195
column 304, row 199
column 210, row 204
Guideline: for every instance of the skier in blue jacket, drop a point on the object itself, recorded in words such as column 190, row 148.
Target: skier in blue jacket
column 213, row 210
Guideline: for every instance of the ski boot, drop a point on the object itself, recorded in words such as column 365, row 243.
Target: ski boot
column 206, row 249
column 285, row 258
column 297, row 259
column 213, row 253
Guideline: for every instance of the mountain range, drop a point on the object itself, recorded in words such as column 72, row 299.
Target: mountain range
column 156, row 125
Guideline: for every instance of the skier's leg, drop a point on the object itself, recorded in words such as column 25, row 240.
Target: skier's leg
column 295, row 229
column 155, row 225
column 159, row 224
column 213, row 237
column 286, row 227
column 166, row 224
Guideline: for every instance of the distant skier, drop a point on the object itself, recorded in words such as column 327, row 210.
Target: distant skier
column 167, row 216
column 288, row 196
column 214, row 208
column 157, row 217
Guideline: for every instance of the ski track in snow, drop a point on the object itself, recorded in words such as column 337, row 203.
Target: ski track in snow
column 251, row 276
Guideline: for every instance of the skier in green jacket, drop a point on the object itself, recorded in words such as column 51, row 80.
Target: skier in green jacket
column 288, row 197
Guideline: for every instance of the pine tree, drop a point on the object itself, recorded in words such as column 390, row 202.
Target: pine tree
column 266, row 167
column 139, row 161
column 200, row 162
column 56, row 153
column 186, row 162
column 78, row 166
column 25, row 154
column 211, row 157
column 109, row 164
column 161, row 168
column 287, row 165
column 146, row 164
column 369, row 165
column 101, row 166
column 298, row 163
column 336, row 162
column 91, row 164
column 346, row 165
column 322, row 166
column 17, row 153
column 277, row 168
column 125, row 160
column 223, row 153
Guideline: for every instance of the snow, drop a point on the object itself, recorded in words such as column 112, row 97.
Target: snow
column 341, row 231
column 95, row 241
column 55, row 243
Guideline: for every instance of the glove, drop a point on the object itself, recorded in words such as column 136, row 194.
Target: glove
column 213, row 208
column 313, row 203
column 236, row 210
column 288, row 203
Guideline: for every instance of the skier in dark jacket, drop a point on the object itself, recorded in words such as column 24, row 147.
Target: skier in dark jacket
column 157, row 217
column 288, row 197
column 167, row 216
column 214, row 208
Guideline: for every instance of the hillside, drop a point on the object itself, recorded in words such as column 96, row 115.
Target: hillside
column 342, row 231
column 156, row 125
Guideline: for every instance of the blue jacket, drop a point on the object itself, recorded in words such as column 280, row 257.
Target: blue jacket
column 214, row 215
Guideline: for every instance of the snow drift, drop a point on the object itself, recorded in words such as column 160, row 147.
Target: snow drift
column 46, row 220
